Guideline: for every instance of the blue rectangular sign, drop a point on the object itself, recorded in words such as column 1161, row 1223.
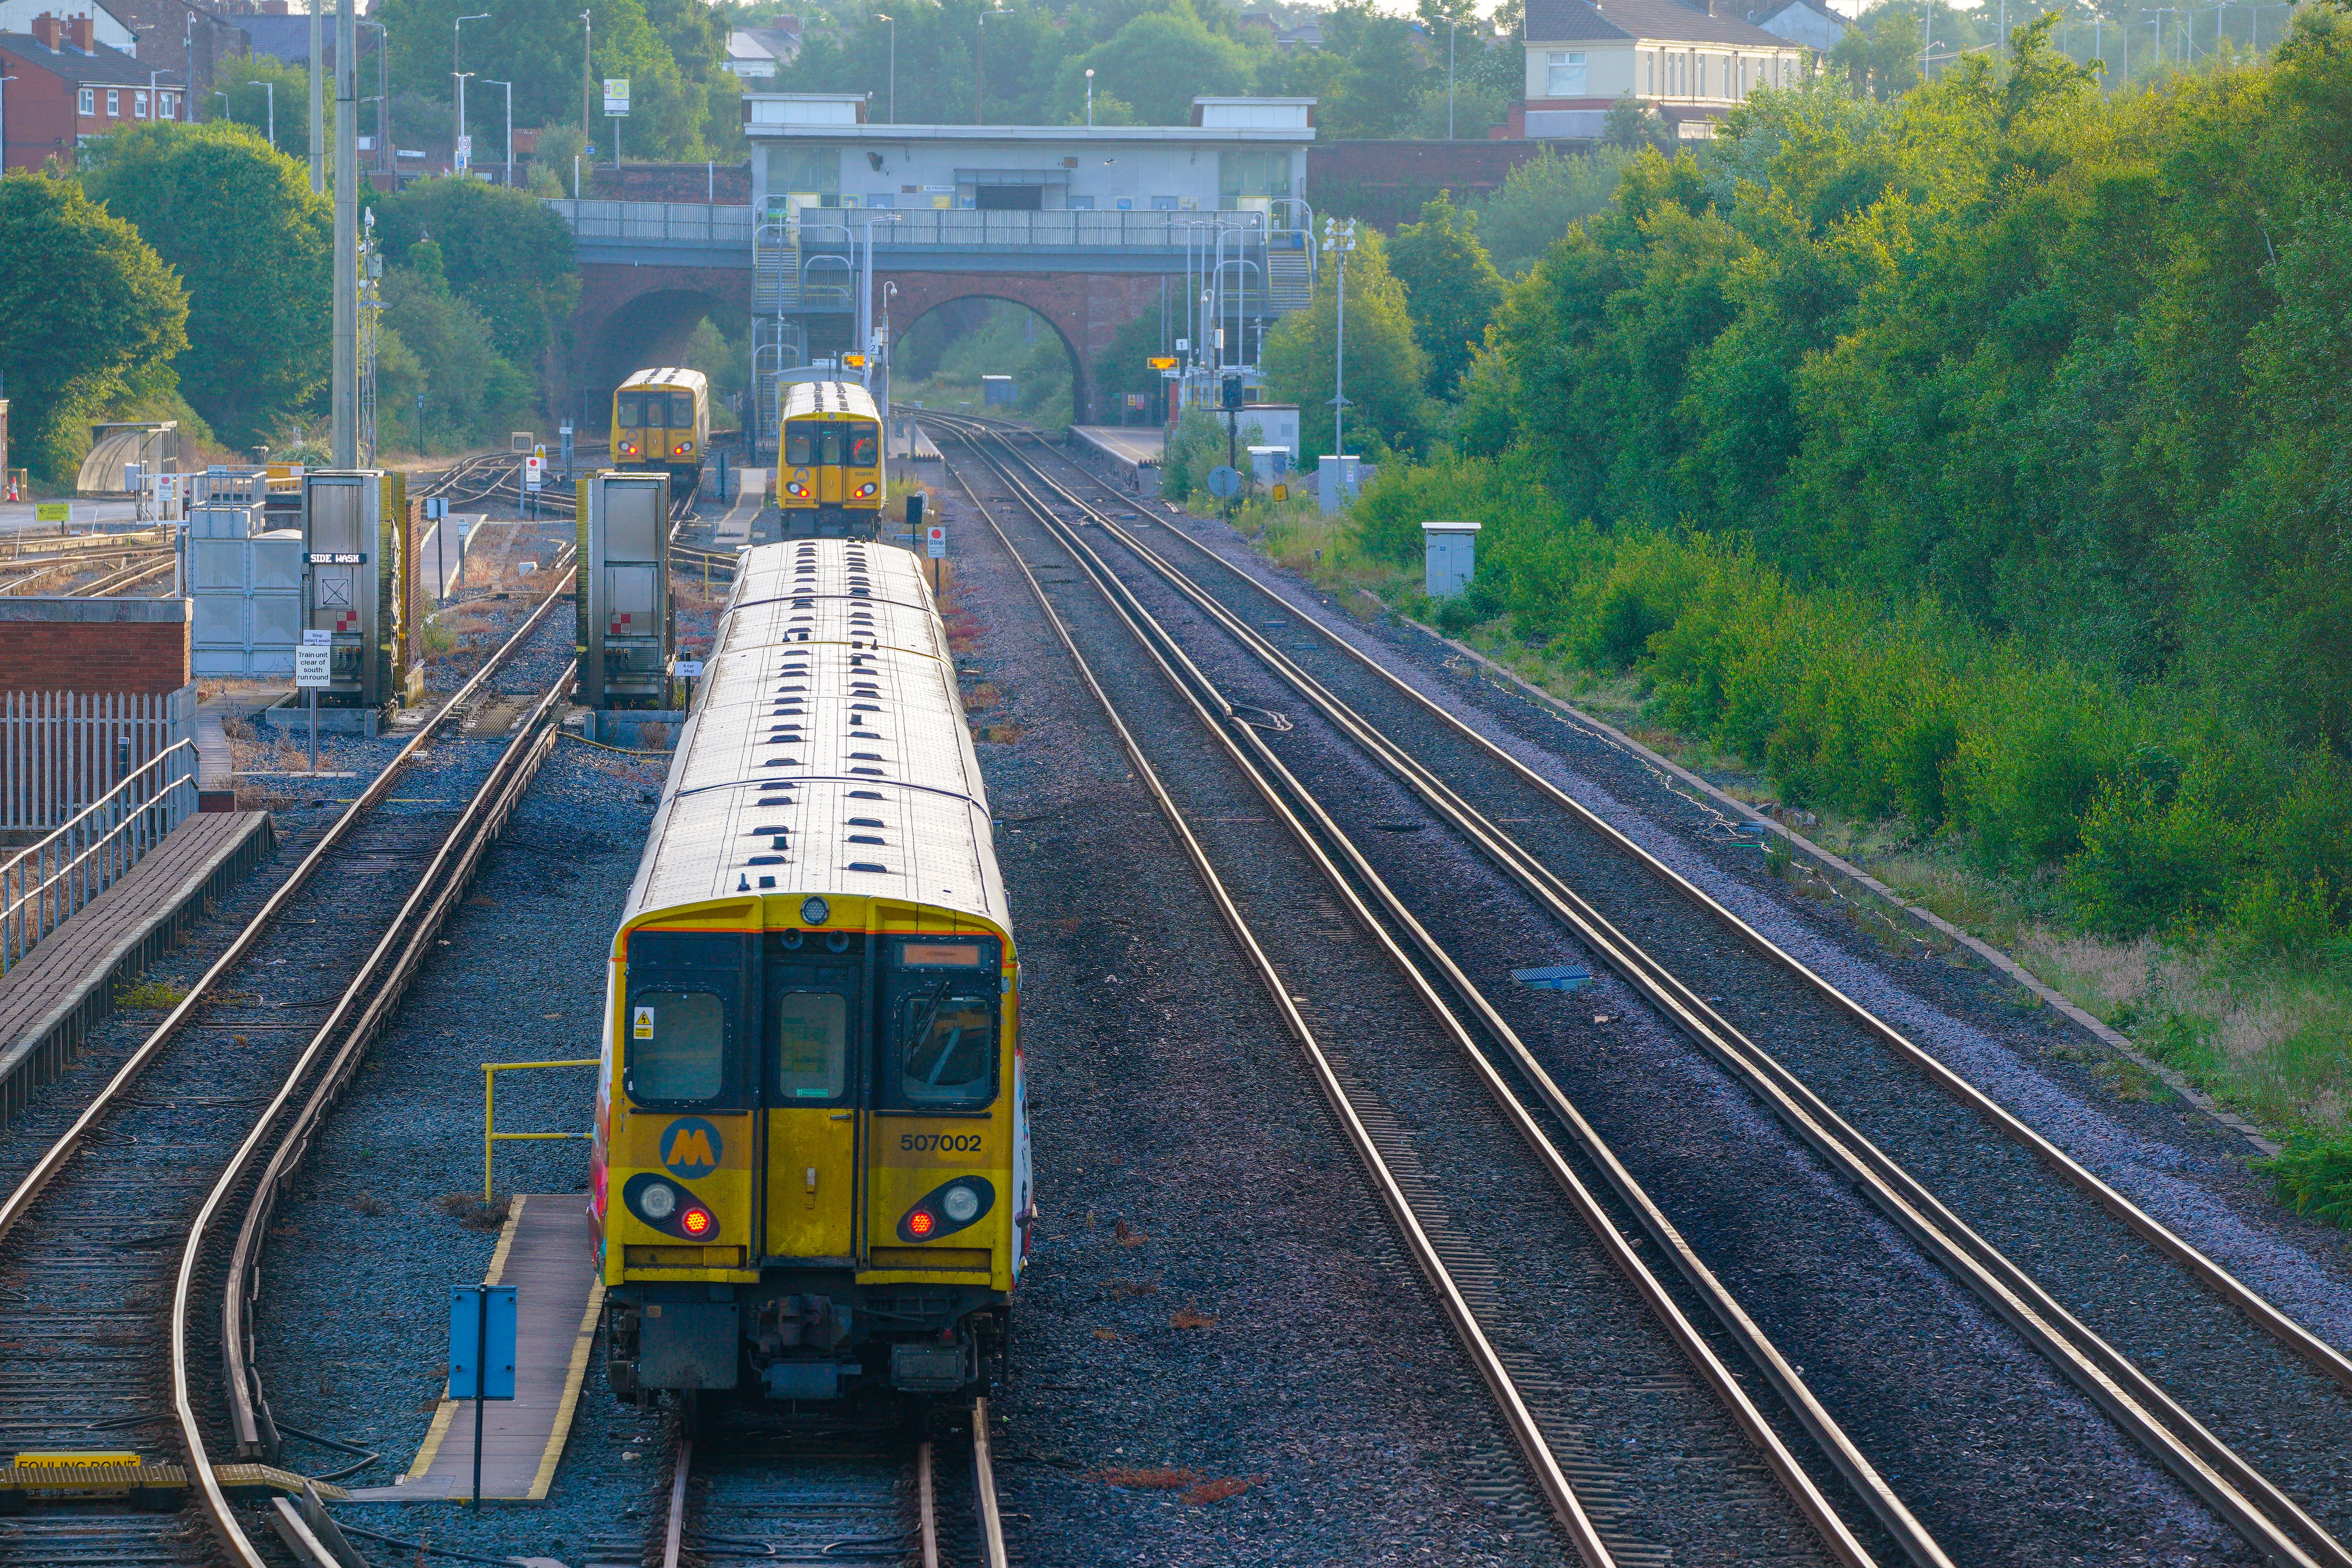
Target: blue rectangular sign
column 466, row 1342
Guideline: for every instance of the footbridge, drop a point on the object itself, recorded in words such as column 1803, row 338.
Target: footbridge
column 855, row 231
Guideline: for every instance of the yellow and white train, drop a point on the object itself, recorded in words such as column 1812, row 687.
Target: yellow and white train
column 811, row 1174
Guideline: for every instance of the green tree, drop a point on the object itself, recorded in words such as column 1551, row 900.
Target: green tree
column 1125, row 366
column 1632, row 125
column 1879, row 54
column 252, row 81
column 1541, row 199
column 1386, row 370
column 502, row 252
column 1157, row 62
column 1450, row 288
column 209, row 199
column 535, row 44
column 1386, row 71
column 93, row 314
column 472, row 392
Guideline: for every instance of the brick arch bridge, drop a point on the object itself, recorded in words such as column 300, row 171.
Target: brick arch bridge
column 1088, row 309
column 630, row 317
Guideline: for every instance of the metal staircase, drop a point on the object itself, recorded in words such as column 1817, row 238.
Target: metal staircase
column 1289, row 277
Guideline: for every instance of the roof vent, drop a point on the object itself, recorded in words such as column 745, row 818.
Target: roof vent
column 868, row 866
column 865, row 794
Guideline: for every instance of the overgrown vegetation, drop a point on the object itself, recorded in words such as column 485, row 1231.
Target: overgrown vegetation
column 1967, row 464
column 940, row 359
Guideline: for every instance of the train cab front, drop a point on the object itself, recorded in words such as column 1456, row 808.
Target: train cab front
column 814, row 1159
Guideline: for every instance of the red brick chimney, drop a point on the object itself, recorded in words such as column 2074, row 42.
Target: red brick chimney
column 46, row 29
column 82, row 33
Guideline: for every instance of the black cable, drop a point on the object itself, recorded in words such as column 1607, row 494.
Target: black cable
column 420, row 1546
column 367, row 1458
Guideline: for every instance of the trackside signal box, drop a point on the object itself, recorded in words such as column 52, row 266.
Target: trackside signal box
column 626, row 623
column 354, row 567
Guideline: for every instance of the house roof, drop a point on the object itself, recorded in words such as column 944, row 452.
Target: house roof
column 106, row 67
column 763, row 43
column 1768, row 9
column 1575, row 21
column 289, row 38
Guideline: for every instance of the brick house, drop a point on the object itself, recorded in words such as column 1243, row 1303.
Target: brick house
column 191, row 38
column 69, row 88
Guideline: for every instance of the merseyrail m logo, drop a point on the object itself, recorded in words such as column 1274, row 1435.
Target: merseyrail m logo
column 689, row 1148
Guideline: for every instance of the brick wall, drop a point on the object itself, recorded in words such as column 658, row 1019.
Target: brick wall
column 94, row 644
column 667, row 183
column 1384, row 182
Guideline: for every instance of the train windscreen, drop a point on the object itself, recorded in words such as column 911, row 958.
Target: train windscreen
column 800, row 444
column 632, row 406
column 865, row 445
column 681, row 410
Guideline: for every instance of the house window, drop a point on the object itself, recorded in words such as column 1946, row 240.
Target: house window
column 1252, row 180
column 138, row 106
column 89, row 100
column 1564, row 74
column 113, row 101
column 170, row 101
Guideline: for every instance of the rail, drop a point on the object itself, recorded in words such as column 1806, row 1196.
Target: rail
column 492, row 1137
column 2269, row 1519
column 51, row 881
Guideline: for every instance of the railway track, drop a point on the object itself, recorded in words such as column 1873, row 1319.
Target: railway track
column 133, row 569
column 1128, row 571
column 741, row 1493
column 130, row 1249
column 1443, row 1207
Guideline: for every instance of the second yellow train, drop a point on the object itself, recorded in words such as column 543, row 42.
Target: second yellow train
column 661, row 419
column 831, row 478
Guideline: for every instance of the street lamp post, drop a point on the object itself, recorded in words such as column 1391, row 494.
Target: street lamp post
column 1449, row 78
column 587, row 36
column 979, row 73
column 318, row 100
column 894, row 63
column 382, row 97
column 487, row 81
column 456, row 41
column 1090, row 98
column 272, row 89
column 1337, row 242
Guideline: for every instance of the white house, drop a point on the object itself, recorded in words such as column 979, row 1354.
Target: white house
column 1808, row 21
column 756, row 54
column 1691, row 63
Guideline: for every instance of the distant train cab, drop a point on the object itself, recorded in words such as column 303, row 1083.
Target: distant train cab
column 830, row 478
column 661, row 420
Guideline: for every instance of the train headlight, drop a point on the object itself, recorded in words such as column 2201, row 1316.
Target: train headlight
column 865, row 490
column 658, row 1202
column 682, row 449
column 962, row 1204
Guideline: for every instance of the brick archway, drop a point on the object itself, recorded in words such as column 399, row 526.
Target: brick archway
column 1088, row 309
column 632, row 316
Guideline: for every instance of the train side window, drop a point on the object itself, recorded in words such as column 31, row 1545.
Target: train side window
column 864, row 441
column 681, row 410
column 798, row 446
column 831, row 454
column 632, row 410
column 678, row 1045
column 808, row 1034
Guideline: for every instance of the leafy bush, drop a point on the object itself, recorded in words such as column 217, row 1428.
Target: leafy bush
column 2313, row 1174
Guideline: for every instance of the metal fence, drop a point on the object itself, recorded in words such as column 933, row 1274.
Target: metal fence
column 45, row 885
column 62, row 750
column 676, row 222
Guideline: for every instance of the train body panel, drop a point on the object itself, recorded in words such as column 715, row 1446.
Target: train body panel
column 831, row 474
column 811, row 1174
column 661, row 419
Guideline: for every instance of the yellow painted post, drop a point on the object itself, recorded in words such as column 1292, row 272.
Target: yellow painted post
column 492, row 1137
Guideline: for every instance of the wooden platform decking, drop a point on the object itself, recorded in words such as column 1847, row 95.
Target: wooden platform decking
column 50, row 1000
column 543, row 1254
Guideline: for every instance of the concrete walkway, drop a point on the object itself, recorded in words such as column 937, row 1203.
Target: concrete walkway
column 543, row 1252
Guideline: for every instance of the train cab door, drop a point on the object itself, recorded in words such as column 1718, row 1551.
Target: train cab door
column 832, row 484
column 814, row 1076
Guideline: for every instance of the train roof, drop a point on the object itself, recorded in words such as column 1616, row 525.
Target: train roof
column 828, row 715
column 667, row 378
column 827, row 397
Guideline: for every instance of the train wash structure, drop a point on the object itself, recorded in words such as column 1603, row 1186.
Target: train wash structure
column 627, row 624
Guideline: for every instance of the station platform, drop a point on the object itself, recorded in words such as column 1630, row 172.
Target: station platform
column 542, row 1252
column 907, row 443
column 51, row 998
column 734, row 524
column 1130, row 455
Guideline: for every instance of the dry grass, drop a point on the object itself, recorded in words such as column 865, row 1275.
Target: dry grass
column 474, row 1213
column 151, row 993
column 1148, row 1477
column 1207, row 1492
column 1186, row 1318
column 984, row 695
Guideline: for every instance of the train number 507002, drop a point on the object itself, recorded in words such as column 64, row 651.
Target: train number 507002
column 940, row 1143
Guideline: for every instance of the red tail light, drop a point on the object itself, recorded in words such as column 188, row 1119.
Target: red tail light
column 695, row 1222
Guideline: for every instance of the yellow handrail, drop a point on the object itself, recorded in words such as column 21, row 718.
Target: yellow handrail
column 492, row 1136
